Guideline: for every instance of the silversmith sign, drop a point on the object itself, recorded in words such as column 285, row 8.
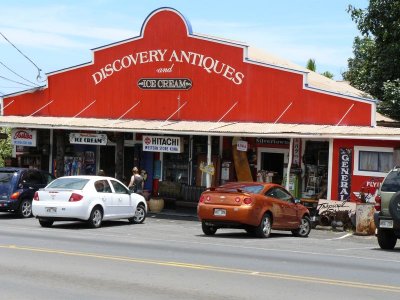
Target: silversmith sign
column 164, row 83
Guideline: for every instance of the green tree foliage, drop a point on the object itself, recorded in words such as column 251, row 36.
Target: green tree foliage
column 391, row 93
column 312, row 66
column 5, row 147
column 375, row 67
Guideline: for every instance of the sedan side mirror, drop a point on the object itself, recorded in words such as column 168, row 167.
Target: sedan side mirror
column 297, row 201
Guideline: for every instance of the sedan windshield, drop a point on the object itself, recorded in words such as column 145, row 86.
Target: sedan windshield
column 68, row 183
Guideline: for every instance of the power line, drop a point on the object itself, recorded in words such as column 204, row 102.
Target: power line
column 39, row 70
column 16, row 81
column 17, row 74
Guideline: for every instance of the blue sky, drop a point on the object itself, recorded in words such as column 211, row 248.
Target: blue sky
column 59, row 34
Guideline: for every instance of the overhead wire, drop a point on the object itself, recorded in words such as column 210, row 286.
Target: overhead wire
column 1, row 63
column 39, row 70
column 5, row 78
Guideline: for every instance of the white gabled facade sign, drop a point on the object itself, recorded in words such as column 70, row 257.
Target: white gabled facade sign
column 171, row 144
column 23, row 137
column 88, row 138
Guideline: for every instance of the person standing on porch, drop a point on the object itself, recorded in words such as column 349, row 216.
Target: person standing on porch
column 137, row 182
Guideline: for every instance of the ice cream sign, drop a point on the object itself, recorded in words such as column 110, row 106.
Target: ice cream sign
column 88, row 138
column 23, row 137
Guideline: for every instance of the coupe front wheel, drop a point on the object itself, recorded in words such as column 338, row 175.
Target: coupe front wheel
column 264, row 229
column 207, row 229
column 304, row 229
column 96, row 217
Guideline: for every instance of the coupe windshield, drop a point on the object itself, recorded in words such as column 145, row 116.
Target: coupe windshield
column 251, row 189
column 68, row 183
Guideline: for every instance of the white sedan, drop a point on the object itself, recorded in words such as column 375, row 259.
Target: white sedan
column 87, row 198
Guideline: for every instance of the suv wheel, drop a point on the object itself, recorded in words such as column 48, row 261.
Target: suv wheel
column 25, row 209
column 386, row 239
column 394, row 207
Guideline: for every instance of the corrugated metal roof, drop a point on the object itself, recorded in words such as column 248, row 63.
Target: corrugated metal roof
column 204, row 128
column 314, row 79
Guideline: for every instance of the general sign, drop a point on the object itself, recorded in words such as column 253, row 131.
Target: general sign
column 345, row 157
column 88, row 138
column 170, row 144
column 23, row 137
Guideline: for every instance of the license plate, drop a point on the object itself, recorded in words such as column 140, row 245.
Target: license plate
column 386, row 223
column 51, row 209
column 219, row 212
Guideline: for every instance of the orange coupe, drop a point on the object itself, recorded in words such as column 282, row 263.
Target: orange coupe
column 254, row 206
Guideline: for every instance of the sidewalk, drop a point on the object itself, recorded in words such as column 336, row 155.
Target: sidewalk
column 189, row 214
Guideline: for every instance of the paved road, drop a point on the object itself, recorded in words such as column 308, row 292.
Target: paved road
column 171, row 259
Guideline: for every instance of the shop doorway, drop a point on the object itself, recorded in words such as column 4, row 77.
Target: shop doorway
column 107, row 160
column 273, row 160
column 315, row 159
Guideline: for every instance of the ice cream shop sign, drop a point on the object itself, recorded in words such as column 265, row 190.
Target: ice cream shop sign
column 88, row 138
column 23, row 137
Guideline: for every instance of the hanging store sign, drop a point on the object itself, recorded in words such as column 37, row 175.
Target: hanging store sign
column 296, row 152
column 209, row 169
column 23, row 137
column 171, row 144
column 266, row 141
column 164, row 84
column 344, row 187
column 88, row 138
column 242, row 145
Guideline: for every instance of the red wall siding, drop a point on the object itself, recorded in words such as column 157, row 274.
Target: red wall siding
column 356, row 180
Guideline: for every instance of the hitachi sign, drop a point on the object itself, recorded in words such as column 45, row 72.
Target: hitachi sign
column 162, row 144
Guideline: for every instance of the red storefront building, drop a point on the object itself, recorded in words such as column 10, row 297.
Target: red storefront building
column 196, row 111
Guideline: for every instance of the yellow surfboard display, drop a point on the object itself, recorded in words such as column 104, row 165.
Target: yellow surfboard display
column 241, row 162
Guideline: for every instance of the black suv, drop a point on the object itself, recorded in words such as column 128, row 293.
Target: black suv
column 17, row 187
column 387, row 217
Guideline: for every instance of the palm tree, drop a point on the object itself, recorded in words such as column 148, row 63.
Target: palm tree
column 312, row 66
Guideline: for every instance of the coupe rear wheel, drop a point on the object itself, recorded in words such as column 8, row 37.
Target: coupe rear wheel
column 264, row 229
column 304, row 229
column 386, row 239
column 96, row 217
column 25, row 209
column 207, row 229
column 140, row 215
column 45, row 223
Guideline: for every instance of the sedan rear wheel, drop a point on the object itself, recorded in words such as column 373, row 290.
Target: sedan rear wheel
column 45, row 223
column 140, row 215
column 304, row 229
column 25, row 209
column 264, row 229
column 96, row 217
column 207, row 229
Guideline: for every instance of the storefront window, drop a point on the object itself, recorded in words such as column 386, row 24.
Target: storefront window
column 372, row 161
column 375, row 161
column 176, row 165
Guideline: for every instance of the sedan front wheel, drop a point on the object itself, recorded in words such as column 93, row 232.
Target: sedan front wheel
column 140, row 215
